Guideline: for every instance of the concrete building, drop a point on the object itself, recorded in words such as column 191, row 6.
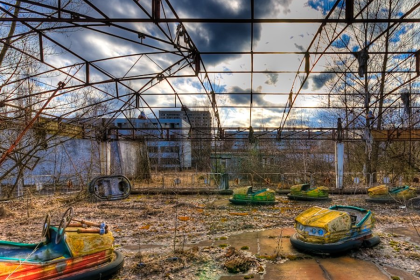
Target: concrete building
column 200, row 134
column 167, row 140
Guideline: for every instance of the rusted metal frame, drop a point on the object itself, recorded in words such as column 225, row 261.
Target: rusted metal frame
column 214, row 106
column 35, row 58
column 99, row 102
column 76, row 87
column 260, row 93
column 349, row 11
column 128, row 119
column 418, row 62
column 61, row 71
column 319, row 32
column 128, row 71
column 266, row 107
column 156, row 10
column 299, row 72
column 390, row 107
column 244, row 139
column 81, row 58
column 150, row 17
column 142, row 8
column 156, row 5
column 41, row 30
column 406, row 14
column 175, row 92
column 40, row 93
column 41, row 48
column 49, row 65
column 402, row 62
column 129, row 40
column 20, row 108
column 108, row 22
column 170, row 37
column 395, row 23
column 303, row 53
column 252, row 63
column 359, row 108
column 30, row 124
column 346, row 71
column 208, row 20
column 391, row 71
column 96, row 9
column 385, row 95
column 22, row 8
column 161, row 29
column 142, row 88
column 180, row 101
column 167, row 24
column 74, row 65
column 87, row 73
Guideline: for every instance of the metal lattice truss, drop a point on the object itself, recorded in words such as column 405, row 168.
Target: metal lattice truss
column 109, row 59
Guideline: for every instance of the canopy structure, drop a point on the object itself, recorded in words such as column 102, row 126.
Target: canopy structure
column 270, row 67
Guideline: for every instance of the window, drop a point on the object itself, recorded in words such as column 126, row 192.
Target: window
column 152, row 149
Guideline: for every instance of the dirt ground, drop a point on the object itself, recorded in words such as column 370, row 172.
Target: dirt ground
column 181, row 237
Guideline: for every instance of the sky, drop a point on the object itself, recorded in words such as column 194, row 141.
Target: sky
column 269, row 108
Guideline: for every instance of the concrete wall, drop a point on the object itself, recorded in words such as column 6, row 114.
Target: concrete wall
column 79, row 160
column 129, row 158
column 75, row 159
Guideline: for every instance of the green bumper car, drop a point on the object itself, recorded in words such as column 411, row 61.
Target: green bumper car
column 245, row 195
column 385, row 194
column 305, row 192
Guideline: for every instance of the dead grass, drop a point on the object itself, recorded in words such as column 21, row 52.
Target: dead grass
column 150, row 221
column 6, row 213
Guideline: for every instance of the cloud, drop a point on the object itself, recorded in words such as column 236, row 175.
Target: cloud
column 299, row 47
column 272, row 79
column 271, row 8
column 321, row 5
column 218, row 37
column 244, row 96
column 320, row 80
column 342, row 42
column 396, row 37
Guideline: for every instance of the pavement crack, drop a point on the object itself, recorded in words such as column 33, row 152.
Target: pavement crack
column 324, row 271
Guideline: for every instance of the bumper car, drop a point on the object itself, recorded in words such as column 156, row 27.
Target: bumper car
column 245, row 195
column 385, row 194
column 305, row 192
column 112, row 187
column 334, row 230
column 74, row 250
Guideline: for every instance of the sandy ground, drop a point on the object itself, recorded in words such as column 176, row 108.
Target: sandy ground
column 173, row 237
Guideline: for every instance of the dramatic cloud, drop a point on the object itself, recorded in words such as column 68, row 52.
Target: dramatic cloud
column 321, row 5
column 244, row 96
column 272, row 79
column 272, row 8
column 299, row 47
column 396, row 37
column 320, row 80
column 342, row 42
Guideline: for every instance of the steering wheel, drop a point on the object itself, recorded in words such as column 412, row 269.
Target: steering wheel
column 65, row 221
column 46, row 226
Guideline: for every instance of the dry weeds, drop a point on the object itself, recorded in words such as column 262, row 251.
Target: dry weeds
column 173, row 236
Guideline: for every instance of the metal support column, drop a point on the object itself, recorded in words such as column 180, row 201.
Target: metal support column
column 339, row 156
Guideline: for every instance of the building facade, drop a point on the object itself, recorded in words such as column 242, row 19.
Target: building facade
column 168, row 143
column 200, row 134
